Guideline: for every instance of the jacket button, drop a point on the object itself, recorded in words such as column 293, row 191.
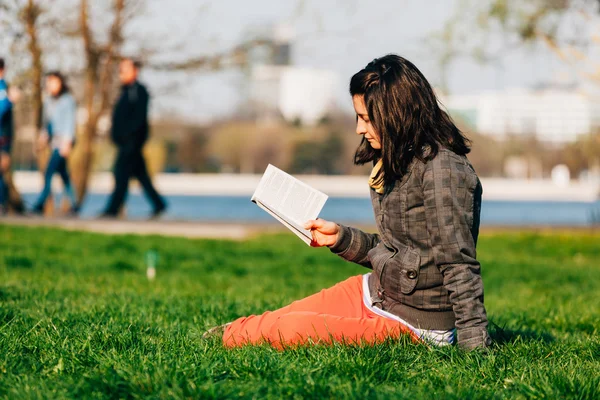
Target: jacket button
column 412, row 274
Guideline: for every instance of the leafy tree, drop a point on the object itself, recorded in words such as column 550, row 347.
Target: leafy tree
column 318, row 156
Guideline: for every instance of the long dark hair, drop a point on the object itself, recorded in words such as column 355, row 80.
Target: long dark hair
column 405, row 114
column 64, row 88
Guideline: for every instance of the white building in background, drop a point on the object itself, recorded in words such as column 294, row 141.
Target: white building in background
column 277, row 88
column 550, row 115
column 297, row 94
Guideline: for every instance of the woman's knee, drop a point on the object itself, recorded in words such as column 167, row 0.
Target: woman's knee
column 297, row 328
column 286, row 325
column 253, row 329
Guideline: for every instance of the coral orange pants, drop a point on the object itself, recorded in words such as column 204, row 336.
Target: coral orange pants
column 334, row 314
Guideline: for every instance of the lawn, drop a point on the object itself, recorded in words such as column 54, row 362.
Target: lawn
column 79, row 319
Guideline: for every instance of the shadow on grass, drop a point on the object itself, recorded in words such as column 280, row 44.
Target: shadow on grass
column 12, row 261
column 122, row 266
column 503, row 336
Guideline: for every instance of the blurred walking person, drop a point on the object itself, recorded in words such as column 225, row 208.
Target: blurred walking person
column 59, row 119
column 6, row 128
column 129, row 132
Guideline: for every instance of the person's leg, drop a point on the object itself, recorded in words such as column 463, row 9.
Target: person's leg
column 3, row 188
column 3, row 191
column 141, row 173
column 303, row 327
column 340, row 299
column 68, row 189
column 50, row 170
column 342, row 305
column 122, row 172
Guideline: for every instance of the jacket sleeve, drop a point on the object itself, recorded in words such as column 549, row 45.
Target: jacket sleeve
column 115, row 128
column 45, row 117
column 5, row 103
column 70, row 119
column 353, row 245
column 139, row 98
column 448, row 200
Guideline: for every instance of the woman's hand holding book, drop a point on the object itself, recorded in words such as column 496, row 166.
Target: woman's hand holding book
column 324, row 233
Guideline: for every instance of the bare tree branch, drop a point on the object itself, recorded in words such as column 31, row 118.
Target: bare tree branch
column 234, row 57
column 116, row 38
column 525, row 21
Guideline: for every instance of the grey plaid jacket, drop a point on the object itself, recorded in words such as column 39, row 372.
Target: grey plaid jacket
column 424, row 262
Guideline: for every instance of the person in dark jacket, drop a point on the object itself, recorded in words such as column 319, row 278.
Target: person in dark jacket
column 425, row 279
column 129, row 133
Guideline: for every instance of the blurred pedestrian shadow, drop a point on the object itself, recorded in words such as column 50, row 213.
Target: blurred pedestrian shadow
column 502, row 335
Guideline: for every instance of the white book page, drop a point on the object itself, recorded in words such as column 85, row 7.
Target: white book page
column 306, row 239
column 289, row 198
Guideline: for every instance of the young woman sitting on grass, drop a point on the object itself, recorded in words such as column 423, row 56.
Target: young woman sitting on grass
column 425, row 280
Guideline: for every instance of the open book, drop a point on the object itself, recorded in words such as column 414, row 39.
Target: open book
column 289, row 200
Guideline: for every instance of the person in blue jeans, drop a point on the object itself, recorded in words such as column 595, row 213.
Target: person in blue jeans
column 60, row 122
column 5, row 136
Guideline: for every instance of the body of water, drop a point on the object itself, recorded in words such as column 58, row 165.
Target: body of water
column 344, row 210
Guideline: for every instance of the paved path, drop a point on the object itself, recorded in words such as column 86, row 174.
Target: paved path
column 149, row 227
column 220, row 230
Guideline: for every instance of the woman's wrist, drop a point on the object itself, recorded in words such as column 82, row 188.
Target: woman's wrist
column 342, row 241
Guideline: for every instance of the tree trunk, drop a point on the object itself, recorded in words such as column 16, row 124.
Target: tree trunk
column 99, row 70
column 81, row 167
column 30, row 15
column 15, row 202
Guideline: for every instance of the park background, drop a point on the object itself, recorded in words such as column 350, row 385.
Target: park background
column 237, row 85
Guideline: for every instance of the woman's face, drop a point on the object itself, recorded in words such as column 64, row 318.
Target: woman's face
column 53, row 85
column 363, row 123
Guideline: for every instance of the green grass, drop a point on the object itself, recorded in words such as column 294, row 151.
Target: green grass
column 79, row 319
